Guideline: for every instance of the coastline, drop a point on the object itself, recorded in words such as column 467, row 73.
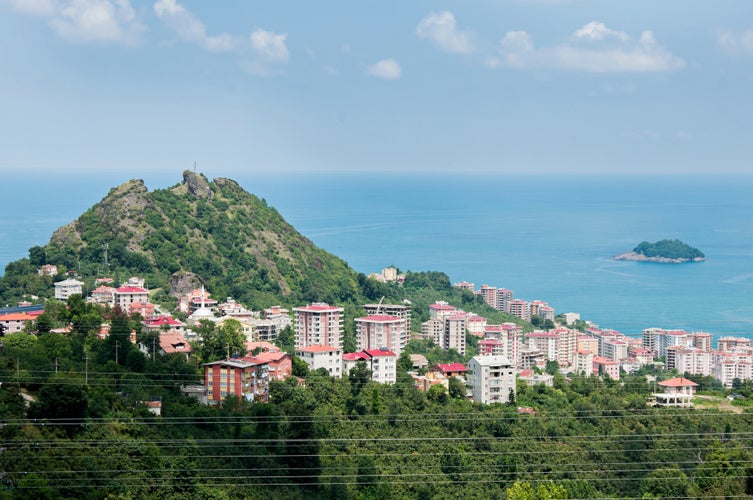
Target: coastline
column 639, row 257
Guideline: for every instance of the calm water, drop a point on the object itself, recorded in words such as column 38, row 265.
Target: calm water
column 548, row 238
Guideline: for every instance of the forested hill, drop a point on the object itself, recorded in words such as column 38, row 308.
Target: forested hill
column 231, row 240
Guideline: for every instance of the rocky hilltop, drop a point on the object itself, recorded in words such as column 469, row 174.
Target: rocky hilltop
column 212, row 232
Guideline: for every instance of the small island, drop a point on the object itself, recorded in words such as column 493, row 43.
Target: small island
column 664, row 251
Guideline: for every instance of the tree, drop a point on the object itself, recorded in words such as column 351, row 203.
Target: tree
column 457, row 388
column 64, row 399
column 359, row 376
column 118, row 343
column 300, row 368
column 666, row 482
column 223, row 341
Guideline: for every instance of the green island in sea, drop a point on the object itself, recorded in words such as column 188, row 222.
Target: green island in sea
column 664, row 251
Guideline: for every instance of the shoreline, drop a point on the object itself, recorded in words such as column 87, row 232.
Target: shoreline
column 639, row 257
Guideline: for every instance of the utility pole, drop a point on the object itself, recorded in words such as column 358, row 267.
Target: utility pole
column 154, row 347
column 56, row 364
column 117, row 346
column 86, row 369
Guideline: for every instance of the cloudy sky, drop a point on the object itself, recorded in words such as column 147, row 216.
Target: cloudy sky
column 533, row 86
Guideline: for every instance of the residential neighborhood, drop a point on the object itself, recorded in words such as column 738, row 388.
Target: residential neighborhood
column 502, row 355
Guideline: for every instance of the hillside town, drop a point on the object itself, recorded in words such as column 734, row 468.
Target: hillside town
column 505, row 353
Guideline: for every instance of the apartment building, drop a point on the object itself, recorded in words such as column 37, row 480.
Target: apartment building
column 378, row 331
column 318, row 324
column 492, row 379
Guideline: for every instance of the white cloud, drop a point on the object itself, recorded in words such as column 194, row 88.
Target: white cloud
column 270, row 46
column 736, row 43
column 596, row 49
column 190, row 28
column 109, row 21
column 442, row 30
column 595, row 31
column 386, row 69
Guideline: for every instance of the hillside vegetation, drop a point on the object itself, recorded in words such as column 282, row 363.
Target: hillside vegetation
column 669, row 249
column 231, row 240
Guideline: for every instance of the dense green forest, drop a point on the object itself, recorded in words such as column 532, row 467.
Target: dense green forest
column 669, row 249
column 86, row 433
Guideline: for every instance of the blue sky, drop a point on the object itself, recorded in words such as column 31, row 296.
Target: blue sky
column 535, row 86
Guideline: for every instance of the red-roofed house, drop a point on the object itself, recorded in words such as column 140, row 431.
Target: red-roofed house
column 146, row 310
column 350, row 359
column 450, row 369
column 604, row 366
column 677, row 392
column 162, row 323
column 15, row 322
column 280, row 363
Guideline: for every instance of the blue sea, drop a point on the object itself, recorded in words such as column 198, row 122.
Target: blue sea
column 545, row 237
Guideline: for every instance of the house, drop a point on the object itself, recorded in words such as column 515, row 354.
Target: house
column 492, row 379
column 603, row 366
column 262, row 346
column 425, row 382
column 678, row 392
column 15, row 322
column 162, row 324
column 103, row 295
column 450, row 370
column 322, row 356
column 145, row 310
column 418, row 361
column 529, row 377
column 174, row 342
column 64, row 289
column 48, row 270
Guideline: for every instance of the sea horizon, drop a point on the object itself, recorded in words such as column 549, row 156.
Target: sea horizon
column 547, row 238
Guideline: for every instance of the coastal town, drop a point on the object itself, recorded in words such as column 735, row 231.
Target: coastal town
column 505, row 354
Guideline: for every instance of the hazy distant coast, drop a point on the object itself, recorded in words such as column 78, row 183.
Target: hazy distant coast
column 639, row 257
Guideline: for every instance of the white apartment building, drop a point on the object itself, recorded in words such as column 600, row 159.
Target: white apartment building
column 492, row 379
column 322, row 356
column 64, row 289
